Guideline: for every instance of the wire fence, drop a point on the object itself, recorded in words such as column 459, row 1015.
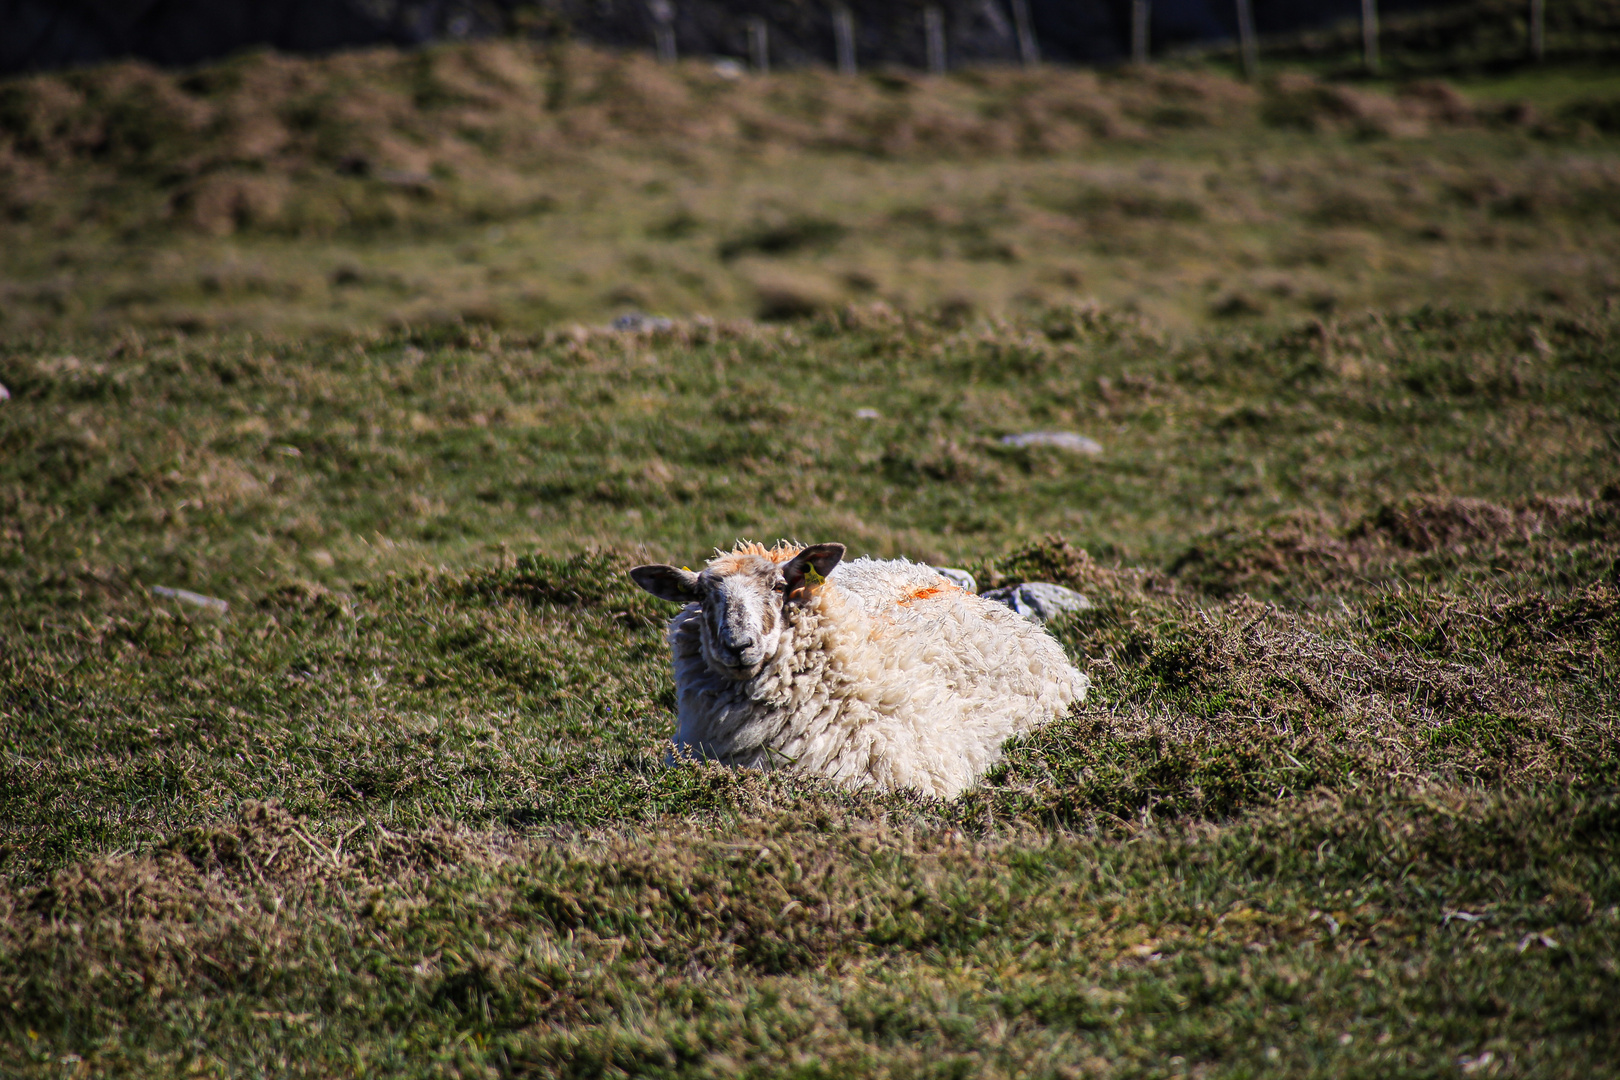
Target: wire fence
column 931, row 35
column 1017, row 29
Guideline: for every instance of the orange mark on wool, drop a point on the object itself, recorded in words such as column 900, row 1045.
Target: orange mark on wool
column 928, row 594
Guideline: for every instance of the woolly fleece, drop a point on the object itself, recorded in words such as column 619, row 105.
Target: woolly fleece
column 888, row 676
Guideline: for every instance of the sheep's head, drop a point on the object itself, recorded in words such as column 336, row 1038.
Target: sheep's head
column 742, row 596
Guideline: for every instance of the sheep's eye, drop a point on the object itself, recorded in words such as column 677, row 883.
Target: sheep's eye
column 780, row 586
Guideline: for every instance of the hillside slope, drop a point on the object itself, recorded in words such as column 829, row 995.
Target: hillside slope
column 505, row 184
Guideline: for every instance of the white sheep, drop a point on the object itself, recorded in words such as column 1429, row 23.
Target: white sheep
column 874, row 673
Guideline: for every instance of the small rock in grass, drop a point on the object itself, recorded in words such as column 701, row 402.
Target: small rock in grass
column 5, row 395
column 635, row 322
column 186, row 596
column 1040, row 601
column 1063, row 440
column 959, row 578
column 408, row 179
column 868, row 414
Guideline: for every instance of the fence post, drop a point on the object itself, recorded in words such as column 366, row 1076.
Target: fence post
column 1251, row 52
column 1028, row 51
column 663, row 13
column 934, row 38
column 1538, row 29
column 759, row 44
column 1369, row 35
column 1141, row 12
column 844, row 39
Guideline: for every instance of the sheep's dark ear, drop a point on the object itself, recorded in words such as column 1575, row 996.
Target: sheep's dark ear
column 818, row 559
column 667, row 582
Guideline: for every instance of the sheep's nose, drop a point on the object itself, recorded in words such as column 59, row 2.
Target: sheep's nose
column 740, row 644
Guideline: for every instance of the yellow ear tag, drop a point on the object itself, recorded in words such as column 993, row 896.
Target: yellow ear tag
column 688, row 569
column 812, row 578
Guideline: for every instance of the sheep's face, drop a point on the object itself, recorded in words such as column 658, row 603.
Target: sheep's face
column 742, row 598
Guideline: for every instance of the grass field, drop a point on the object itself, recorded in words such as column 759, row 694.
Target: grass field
column 1345, row 800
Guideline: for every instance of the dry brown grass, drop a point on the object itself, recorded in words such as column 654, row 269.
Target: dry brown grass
column 1412, row 540
column 494, row 184
column 234, row 145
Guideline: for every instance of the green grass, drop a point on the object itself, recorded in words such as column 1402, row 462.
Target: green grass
column 1301, row 945
column 226, row 464
column 403, row 806
column 1342, row 801
column 1547, row 89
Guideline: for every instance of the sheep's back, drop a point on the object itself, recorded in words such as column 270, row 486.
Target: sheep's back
column 950, row 675
column 1008, row 672
column 981, row 648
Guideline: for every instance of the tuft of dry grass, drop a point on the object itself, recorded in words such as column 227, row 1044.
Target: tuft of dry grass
column 1418, row 539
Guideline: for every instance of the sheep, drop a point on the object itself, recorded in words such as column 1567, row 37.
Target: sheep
column 873, row 673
